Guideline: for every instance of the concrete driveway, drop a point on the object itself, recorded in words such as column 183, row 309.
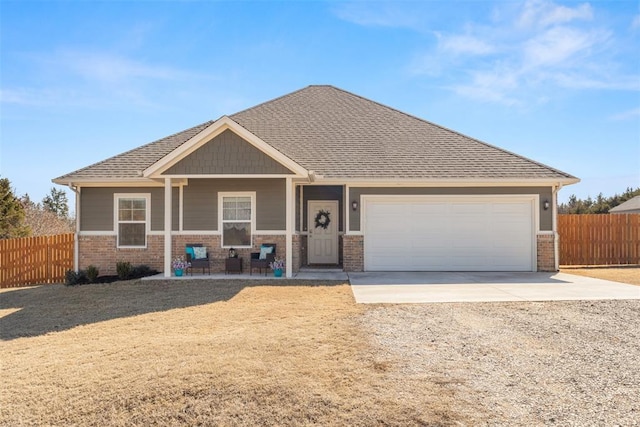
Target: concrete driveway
column 422, row 287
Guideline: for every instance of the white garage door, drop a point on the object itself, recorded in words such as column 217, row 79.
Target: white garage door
column 433, row 233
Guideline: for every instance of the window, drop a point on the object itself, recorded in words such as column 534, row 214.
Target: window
column 132, row 220
column 237, row 216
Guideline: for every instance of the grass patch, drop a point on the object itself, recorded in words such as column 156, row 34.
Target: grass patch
column 201, row 352
column 627, row 274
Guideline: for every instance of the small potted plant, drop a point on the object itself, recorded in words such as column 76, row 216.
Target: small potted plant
column 179, row 265
column 277, row 265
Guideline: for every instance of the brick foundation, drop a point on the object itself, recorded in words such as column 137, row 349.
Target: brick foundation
column 546, row 252
column 353, row 253
column 101, row 251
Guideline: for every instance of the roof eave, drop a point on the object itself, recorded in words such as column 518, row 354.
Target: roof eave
column 453, row 182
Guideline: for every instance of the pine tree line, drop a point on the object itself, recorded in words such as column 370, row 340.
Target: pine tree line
column 22, row 217
column 600, row 205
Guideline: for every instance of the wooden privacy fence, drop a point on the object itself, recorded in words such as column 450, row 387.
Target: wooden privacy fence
column 602, row 239
column 35, row 260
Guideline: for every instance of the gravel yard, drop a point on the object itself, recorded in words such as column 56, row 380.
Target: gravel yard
column 551, row 363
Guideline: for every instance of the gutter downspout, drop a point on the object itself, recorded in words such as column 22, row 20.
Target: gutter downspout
column 554, row 225
column 76, row 244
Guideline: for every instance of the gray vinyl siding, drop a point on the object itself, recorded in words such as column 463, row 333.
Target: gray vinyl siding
column 201, row 202
column 545, row 193
column 227, row 154
column 321, row 192
column 97, row 209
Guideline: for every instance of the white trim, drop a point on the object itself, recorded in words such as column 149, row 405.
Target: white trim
column 347, row 208
column 115, row 182
column 76, row 242
column 426, row 182
column 209, row 133
column 221, row 196
column 168, row 216
column 301, row 228
column 147, row 197
column 533, row 199
column 289, row 218
column 228, row 176
column 97, row 233
column 180, row 207
column 544, row 233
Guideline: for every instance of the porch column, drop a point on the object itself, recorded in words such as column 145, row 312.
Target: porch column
column 289, row 227
column 167, row 227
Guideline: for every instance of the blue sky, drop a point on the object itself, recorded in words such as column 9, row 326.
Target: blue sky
column 558, row 82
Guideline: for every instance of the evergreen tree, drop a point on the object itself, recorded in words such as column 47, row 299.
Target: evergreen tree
column 12, row 223
column 600, row 205
column 57, row 203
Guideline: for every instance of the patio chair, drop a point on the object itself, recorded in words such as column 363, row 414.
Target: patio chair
column 198, row 257
column 261, row 260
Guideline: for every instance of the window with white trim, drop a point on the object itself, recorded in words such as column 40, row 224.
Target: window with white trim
column 132, row 220
column 237, row 220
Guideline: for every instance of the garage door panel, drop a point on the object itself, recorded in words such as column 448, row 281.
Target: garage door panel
column 449, row 235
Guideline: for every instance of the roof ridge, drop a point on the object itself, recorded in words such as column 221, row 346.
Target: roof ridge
column 271, row 100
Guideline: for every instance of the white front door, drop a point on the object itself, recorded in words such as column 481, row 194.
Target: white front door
column 322, row 217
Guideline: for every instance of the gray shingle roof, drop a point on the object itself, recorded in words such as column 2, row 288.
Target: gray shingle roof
column 338, row 134
column 128, row 165
column 632, row 204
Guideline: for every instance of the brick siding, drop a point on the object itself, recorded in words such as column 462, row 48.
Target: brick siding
column 101, row 251
column 546, row 252
column 353, row 253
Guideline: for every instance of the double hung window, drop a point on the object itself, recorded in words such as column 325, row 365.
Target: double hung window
column 132, row 220
column 237, row 219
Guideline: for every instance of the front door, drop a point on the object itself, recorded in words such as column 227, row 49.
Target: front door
column 323, row 231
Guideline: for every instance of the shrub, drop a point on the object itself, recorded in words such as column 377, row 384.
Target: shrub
column 142, row 271
column 71, row 278
column 92, row 273
column 124, row 270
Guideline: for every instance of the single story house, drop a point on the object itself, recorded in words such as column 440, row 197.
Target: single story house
column 630, row 206
column 331, row 178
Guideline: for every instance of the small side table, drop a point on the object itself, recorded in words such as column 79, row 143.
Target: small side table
column 233, row 265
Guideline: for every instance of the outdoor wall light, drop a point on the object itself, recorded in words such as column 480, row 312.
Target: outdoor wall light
column 546, row 205
column 354, row 205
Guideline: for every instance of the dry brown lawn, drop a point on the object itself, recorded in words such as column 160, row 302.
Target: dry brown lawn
column 201, row 353
column 629, row 274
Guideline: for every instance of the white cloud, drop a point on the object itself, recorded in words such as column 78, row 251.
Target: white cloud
column 522, row 54
column 378, row 14
column 557, row 46
column 633, row 114
column 541, row 13
column 91, row 79
column 465, row 44
column 108, row 67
